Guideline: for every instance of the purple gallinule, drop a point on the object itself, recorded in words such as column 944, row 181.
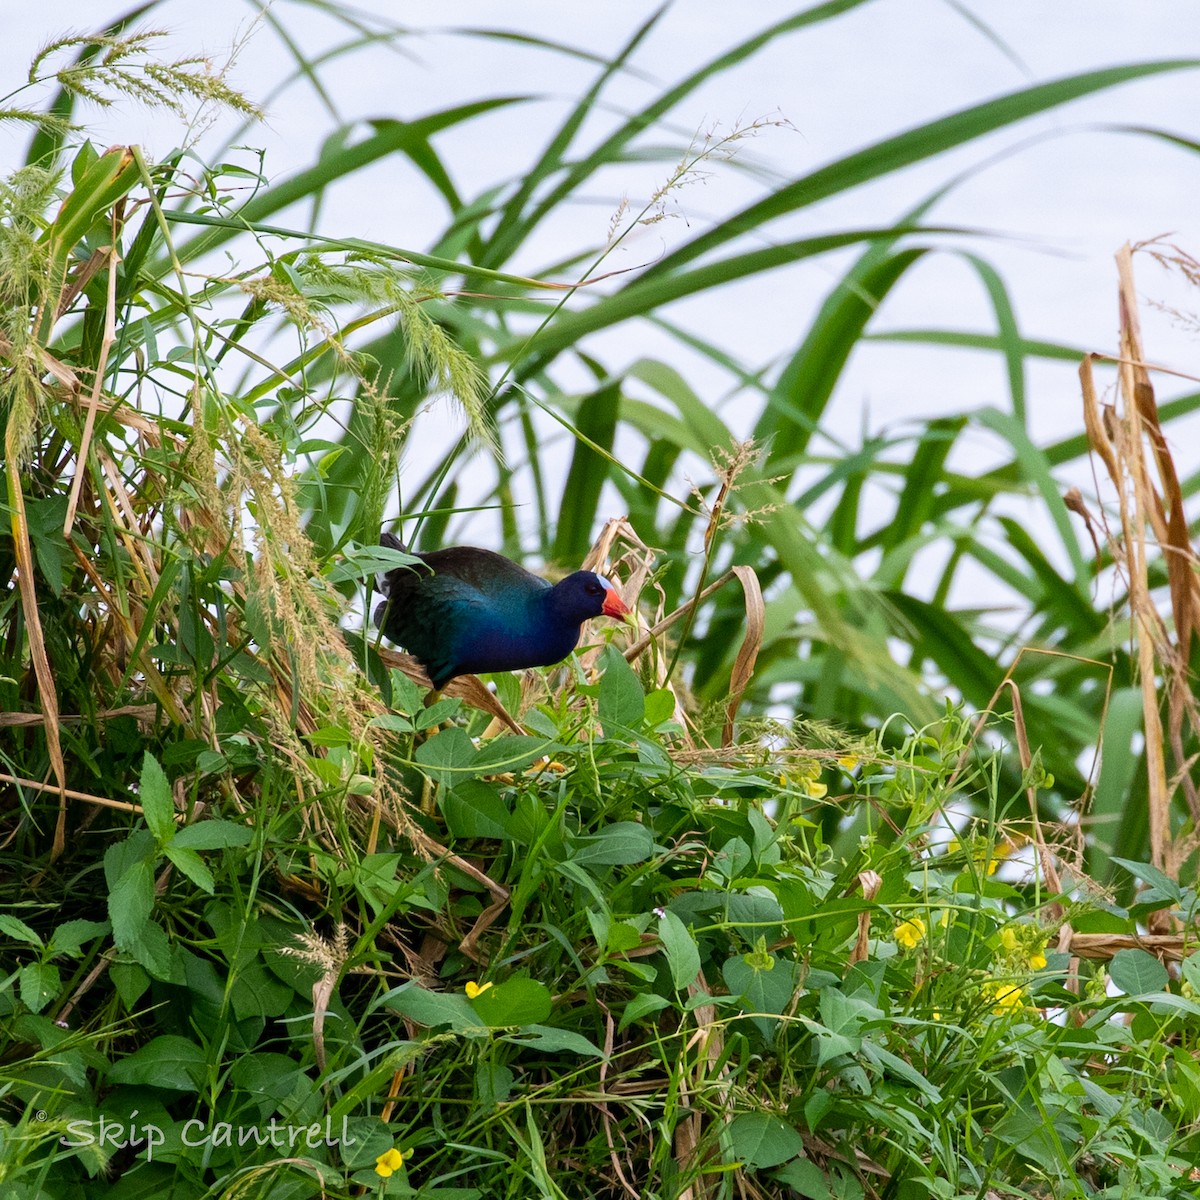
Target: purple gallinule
column 464, row 610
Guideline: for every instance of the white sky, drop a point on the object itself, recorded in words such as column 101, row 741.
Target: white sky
column 1067, row 199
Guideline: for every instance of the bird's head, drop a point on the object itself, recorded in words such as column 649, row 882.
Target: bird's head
column 590, row 595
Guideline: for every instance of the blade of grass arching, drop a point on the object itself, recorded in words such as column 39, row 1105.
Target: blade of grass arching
column 610, row 149
column 846, row 610
column 1111, row 819
column 936, row 636
column 958, row 339
column 1008, row 335
column 714, row 353
column 514, row 225
column 647, row 294
column 798, row 399
column 912, row 146
column 311, row 182
column 842, row 468
column 1035, row 467
column 596, row 420
column 921, row 479
column 1069, row 603
column 705, row 429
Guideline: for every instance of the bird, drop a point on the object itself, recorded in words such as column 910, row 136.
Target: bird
column 464, row 610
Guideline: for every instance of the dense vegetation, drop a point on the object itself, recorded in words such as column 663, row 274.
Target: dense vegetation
column 744, row 907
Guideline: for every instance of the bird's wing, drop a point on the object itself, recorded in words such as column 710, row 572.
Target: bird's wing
column 491, row 574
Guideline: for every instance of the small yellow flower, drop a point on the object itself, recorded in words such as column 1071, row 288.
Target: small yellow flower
column 1004, row 997
column 474, row 989
column 1037, row 960
column 909, row 933
column 390, row 1161
column 1009, row 939
column 848, row 762
column 815, row 789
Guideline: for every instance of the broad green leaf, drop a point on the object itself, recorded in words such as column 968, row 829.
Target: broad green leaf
column 512, row 752
column 167, row 1061
column 515, row 1001
column 214, row 834
column 158, row 805
column 763, row 989
column 448, row 757
column 622, row 704
column 71, row 935
column 16, row 928
column 474, row 809
column 644, row 1004
column 192, row 865
column 1137, row 972
column 805, row 1179
column 550, row 1041
column 620, row 844
column 435, row 1009
column 760, row 1140
column 683, row 957
column 130, row 903
column 39, row 984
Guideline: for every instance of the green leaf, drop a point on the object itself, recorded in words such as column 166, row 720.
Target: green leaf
column 1151, row 875
column 660, row 707
column 71, row 935
column 513, row 752
column 1137, row 972
column 168, row 1061
column 474, row 809
column 448, row 757
column 762, row 990
column 1190, row 969
column 493, row 1084
column 158, row 805
column 40, row 983
column 620, row 844
column 515, row 1001
column 16, row 928
column 594, row 429
column 213, row 834
column 551, row 1041
column 192, row 865
column 683, row 956
column 130, row 902
column 760, row 1140
column 434, row 1009
column 622, row 704
column 152, row 949
column 642, row 1005
column 805, row 1179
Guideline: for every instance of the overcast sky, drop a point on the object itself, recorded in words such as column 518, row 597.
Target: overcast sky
column 1064, row 190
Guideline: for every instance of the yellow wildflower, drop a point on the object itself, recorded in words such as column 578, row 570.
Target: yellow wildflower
column 474, row 989
column 1004, row 997
column 909, row 933
column 390, row 1161
column 1037, row 960
column 1009, row 939
column 848, row 762
column 815, row 789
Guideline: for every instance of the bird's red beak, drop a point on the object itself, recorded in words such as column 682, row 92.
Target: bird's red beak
column 613, row 605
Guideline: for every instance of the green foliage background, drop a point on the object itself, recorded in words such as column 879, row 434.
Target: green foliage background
column 248, row 878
